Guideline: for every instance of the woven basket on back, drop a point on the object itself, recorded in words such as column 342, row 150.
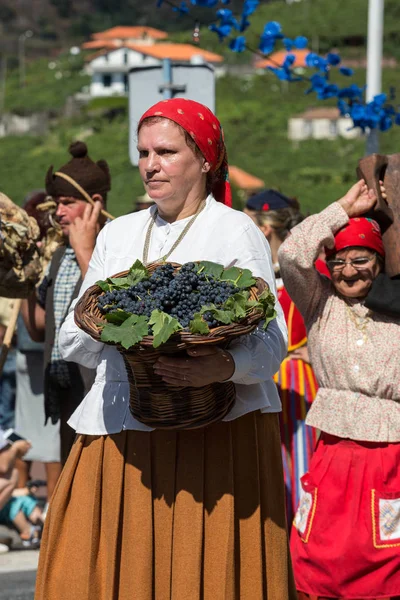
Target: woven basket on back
column 152, row 401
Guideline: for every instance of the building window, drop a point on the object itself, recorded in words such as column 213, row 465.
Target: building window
column 126, row 83
column 125, row 58
column 333, row 128
column 107, row 80
column 307, row 128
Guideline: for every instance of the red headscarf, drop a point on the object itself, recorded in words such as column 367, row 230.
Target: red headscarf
column 205, row 129
column 358, row 232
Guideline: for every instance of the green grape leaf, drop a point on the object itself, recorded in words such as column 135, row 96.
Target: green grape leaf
column 209, row 268
column 137, row 273
column 243, row 278
column 104, row 285
column 223, row 316
column 237, row 304
column 231, row 274
column 117, row 317
column 269, row 316
column 197, row 325
column 246, row 280
column 120, row 283
column 267, row 301
column 207, row 308
column 163, row 326
column 131, row 332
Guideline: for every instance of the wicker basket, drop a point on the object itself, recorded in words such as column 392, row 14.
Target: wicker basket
column 152, row 401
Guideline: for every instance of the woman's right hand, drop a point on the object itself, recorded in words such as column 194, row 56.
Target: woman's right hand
column 358, row 200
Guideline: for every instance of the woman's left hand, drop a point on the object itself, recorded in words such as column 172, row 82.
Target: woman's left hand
column 202, row 366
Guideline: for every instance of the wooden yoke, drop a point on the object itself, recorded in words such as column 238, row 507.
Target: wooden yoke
column 386, row 212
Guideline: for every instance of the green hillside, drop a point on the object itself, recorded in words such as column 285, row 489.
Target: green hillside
column 253, row 110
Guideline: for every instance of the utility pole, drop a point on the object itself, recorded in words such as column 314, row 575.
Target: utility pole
column 21, row 55
column 374, row 63
column 3, row 79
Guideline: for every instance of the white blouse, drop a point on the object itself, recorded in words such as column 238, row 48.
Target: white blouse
column 219, row 234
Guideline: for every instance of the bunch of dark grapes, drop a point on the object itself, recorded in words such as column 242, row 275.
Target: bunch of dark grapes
column 181, row 295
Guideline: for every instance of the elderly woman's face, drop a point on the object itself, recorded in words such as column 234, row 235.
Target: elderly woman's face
column 353, row 271
column 170, row 170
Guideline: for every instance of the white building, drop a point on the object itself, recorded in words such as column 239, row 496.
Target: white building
column 325, row 123
column 109, row 68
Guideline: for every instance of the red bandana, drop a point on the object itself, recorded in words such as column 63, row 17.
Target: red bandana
column 358, row 232
column 205, row 129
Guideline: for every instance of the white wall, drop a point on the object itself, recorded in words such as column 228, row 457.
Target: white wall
column 113, row 67
column 116, row 87
column 116, row 61
column 321, row 129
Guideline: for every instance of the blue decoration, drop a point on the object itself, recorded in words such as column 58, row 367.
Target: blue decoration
column 289, row 61
column 346, row 71
column 288, row 43
column 183, row 8
column 283, row 74
column 222, row 31
column 269, row 37
column 350, row 99
column 351, row 92
column 226, row 22
column 238, row 44
column 249, row 7
column 333, row 59
column 204, row 3
column 300, row 42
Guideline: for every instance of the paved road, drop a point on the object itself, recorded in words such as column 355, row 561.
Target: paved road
column 17, row 585
column 18, row 574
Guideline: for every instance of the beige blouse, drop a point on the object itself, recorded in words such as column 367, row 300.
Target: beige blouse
column 358, row 371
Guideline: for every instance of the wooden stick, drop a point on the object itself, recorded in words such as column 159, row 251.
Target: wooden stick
column 84, row 193
column 8, row 336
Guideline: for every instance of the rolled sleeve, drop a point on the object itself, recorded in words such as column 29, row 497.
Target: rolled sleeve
column 257, row 356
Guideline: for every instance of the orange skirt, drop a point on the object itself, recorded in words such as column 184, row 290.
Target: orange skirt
column 167, row 515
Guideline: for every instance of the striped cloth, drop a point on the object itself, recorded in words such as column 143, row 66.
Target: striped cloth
column 297, row 388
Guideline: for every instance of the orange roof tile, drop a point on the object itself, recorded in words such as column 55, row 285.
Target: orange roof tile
column 175, row 52
column 277, row 59
column 244, row 180
column 320, row 112
column 130, row 32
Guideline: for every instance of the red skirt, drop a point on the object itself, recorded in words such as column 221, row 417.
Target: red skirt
column 345, row 541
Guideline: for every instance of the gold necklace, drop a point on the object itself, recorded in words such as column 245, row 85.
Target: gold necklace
column 361, row 323
column 179, row 239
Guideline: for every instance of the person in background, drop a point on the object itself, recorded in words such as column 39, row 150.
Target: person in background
column 29, row 411
column 22, row 510
column 7, row 377
column 65, row 384
column 384, row 295
column 346, row 536
column 275, row 215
